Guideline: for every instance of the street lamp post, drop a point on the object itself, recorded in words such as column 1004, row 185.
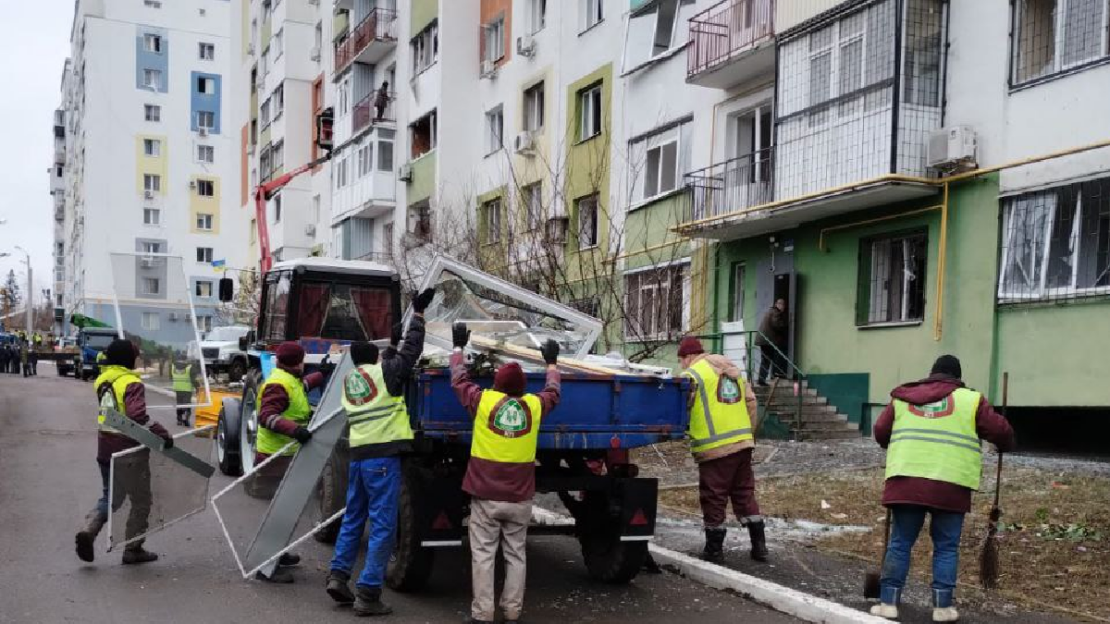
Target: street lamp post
column 28, row 312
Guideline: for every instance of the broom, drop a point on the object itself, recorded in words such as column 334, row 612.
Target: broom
column 872, row 583
column 988, row 559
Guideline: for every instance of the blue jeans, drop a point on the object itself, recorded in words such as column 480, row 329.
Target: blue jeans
column 374, row 487
column 945, row 529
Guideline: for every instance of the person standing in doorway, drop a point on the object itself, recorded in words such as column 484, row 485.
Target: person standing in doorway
column 501, row 474
column 773, row 342
column 932, row 431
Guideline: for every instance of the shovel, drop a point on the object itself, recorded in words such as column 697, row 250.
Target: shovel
column 871, row 582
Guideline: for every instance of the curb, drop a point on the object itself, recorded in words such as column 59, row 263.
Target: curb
column 783, row 599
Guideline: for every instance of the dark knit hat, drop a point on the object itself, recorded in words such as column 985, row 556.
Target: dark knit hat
column 510, row 379
column 947, row 365
column 121, row 353
column 289, row 354
column 690, row 346
column 364, row 353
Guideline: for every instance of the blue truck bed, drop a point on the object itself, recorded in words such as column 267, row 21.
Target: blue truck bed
column 597, row 412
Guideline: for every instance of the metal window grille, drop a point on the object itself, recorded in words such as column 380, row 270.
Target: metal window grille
column 858, row 95
column 1052, row 36
column 892, row 279
column 1056, row 244
column 655, row 302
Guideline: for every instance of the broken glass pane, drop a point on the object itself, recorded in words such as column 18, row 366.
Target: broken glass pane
column 152, row 304
column 149, row 491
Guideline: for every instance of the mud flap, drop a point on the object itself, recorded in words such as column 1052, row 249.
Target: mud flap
column 636, row 499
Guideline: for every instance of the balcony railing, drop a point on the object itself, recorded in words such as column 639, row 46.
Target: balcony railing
column 726, row 29
column 379, row 25
column 726, row 187
column 369, row 110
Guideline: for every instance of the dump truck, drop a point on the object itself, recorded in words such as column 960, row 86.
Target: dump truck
column 583, row 449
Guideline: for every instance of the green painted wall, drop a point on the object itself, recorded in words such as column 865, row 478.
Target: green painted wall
column 1056, row 354
column 494, row 255
column 423, row 183
column 848, row 392
column 422, row 13
column 648, row 237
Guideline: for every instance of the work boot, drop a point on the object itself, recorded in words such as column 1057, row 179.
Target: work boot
column 85, row 539
column 135, row 554
column 884, row 610
column 368, row 601
column 759, row 540
column 338, row 587
column 279, row 576
column 289, row 559
column 714, row 545
column 945, row 614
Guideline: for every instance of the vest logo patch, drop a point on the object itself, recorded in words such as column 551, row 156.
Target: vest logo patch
column 511, row 418
column 359, row 388
column 728, row 391
column 936, row 409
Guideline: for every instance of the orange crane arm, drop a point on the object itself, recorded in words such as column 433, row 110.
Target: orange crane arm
column 266, row 191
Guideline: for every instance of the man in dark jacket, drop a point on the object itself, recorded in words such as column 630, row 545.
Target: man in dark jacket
column 381, row 101
column 772, row 342
column 932, row 431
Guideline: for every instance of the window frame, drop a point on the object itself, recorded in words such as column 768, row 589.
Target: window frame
column 532, row 195
column 866, row 293
column 205, row 221
column 588, row 109
column 206, row 51
column 152, row 148
column 677, row 5
column 145, row 282
column 152, row 43
column 151, row 321
column 537, row 8
column 197, row 289
column 205, row 255
column 152, row 78
column 492, row 220
column 534, row 102
column 591, row 13
column 152, row 217
column 495, row 136
column 593, row 199
column 202, row 184
column 152, row 182
column 201, row 117
column 1059, row 41
column 152, row 113
column 203, row 149
column 655, row 279
column 493, row 39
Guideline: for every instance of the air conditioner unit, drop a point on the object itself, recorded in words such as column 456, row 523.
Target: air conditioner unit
column 488, row 69
column 148, row 194
column 524, row 143
column 192, row 185
column 202, row 131
column 951, row 148
column 314, row 53
column 404, row 173
column 526, row 46
column 310, row 230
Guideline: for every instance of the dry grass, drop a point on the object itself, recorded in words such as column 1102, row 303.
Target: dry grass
column 1055, row 545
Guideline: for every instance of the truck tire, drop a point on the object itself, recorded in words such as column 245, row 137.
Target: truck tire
column 237, row 369
column 227, row 439
column 410, row 565
column 607, row 558
column 333, row 496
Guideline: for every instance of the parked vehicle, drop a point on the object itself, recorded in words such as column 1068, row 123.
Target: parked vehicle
column 222, row 353
column 91, row 341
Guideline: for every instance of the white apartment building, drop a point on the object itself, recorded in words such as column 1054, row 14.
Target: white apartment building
column 149, row 161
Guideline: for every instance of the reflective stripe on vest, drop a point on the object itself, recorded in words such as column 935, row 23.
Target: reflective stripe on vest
column 719, row 415
column 506, row 429
column 269, row 441
column 111, row 386
column 375, row 416
column 937, row 441
column 182, row 380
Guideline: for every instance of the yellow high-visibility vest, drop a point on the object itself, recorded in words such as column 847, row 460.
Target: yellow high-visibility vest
column 937, row 441
column 719, row 415
column 506, row 428
column 375, row 416
column 111, row 385
column 270, row 442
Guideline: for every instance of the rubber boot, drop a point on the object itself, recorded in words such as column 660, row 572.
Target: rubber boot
column 338, row 587
column 279, row 575
column 93, row 523
column 759, row 540
column 135, row 554
column 945, row 614
column 714, row 545
column 368, row 601
column 289, row 559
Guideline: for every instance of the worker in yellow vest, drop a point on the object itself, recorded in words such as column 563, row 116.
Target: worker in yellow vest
column 931, row 431
column 723, row 414
column 501, row 474
column 120, row 389
column 185, row 378
column 283, row 417
column 373, row 398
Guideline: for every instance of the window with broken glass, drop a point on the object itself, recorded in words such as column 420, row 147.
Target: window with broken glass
column 892, row 279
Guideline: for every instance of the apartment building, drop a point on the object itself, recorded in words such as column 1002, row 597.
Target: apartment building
column 147, row 157
column 830, row 193
column 56, row 172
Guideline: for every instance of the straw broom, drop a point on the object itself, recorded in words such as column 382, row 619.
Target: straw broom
column 988, row 558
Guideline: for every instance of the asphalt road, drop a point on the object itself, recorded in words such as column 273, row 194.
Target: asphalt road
column 48, row 481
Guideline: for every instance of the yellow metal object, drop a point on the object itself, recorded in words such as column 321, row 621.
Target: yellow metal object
column 821, row 238
column 210, row 413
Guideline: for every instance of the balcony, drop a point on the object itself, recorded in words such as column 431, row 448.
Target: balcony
column 369, row 41
column 730, row 186
column 367, row 112
column 730, row 43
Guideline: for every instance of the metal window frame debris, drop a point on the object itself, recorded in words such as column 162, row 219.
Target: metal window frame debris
column 151, row 440
column 181, row 456
column 442, row 263
column 297, row 486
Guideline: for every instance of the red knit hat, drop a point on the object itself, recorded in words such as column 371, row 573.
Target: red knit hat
column 690, row 346
column 289, row 354
column 510, row 379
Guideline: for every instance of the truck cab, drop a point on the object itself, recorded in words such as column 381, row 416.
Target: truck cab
column 222, row 353
column 91, row 341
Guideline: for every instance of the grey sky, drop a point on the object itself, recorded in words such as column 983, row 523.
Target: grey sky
column 34, row 43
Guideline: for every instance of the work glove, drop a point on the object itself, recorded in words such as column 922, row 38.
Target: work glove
column 395, row 336
column 423, row 300
column 550, row 351
column 302, row 435
column 167, row 443
column 460, row 335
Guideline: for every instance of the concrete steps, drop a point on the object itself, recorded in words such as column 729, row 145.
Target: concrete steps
column 819, row 419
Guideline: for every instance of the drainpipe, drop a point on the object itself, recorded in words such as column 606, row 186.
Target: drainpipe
column 942, row 256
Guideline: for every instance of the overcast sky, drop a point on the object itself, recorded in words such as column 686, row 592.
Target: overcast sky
column 34, row 43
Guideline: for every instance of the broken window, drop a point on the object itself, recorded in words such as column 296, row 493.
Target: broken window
column 655, row 302
column 1056, row 35
column 892, row 279
column 423, row 132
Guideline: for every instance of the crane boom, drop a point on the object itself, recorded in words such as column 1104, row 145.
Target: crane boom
column 263, row 193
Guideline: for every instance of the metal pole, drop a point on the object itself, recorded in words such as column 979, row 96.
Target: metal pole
column 30, row 293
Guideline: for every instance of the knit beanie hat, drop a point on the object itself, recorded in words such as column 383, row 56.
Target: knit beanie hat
column 510, row 379
column 690, row 346
column 121, row 353
column 289, row 354
column 947, row 365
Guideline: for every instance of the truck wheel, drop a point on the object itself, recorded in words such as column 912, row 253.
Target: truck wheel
column 410, row 565
column 227, row 442
column 333, row 495
column 607, row 558
column 237, row 369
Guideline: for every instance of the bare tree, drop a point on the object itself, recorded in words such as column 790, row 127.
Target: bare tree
column 243, row 309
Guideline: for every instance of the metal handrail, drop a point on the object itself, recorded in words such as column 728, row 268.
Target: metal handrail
column 726, row 28
column 730, row 185
column 364, row 113
column 378, row 25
